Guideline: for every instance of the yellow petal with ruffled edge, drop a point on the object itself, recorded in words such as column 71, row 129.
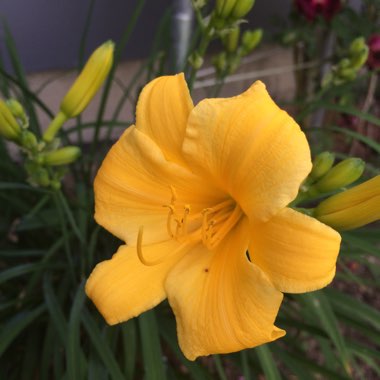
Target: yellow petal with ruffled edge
column 162, row 111
column 222, row 302
column 297, row 252
column 252, row 149
column 122, row 288
column 134, row 183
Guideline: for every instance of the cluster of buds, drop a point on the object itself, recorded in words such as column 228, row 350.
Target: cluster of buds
column 345, row 209
column 45, row 159
column 228, row 12
column 236, row 48
column 311, row 9
column 348, row 67
column 224, row 23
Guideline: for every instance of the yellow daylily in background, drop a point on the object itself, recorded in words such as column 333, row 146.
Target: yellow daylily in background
column 190, row 189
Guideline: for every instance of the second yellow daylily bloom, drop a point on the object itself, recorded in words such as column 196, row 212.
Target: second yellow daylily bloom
column 190, row 190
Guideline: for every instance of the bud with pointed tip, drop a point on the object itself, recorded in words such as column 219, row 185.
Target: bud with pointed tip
column 89, row 80
column 250, row 39
column 352, row 208
column 322, row 163
column 62, row 156
column 9, row 128
column 341, row 175
column 241, row 8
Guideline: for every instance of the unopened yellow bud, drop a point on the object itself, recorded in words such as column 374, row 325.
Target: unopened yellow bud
column 89, row 80
column 352, row 208
column 9, row 128
column 63, row 156
column 250, row 39
column 16, row 108
column 241, row 8
column 343, row 174
column 322, row 163
column 231, row 40
column 223, row 8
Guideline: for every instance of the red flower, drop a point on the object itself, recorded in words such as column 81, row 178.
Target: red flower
column 374, row 52
column 313, row 8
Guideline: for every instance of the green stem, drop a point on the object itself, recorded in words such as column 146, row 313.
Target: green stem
column 54, row 127
column 207, row 36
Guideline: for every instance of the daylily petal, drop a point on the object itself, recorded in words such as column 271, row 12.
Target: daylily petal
column 162, row 111
column 222, row 302
column 297, row 252
column 122, row 288
column 134, row 183
column 255, row 151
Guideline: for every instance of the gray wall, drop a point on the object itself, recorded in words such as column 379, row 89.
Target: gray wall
column 47, row 32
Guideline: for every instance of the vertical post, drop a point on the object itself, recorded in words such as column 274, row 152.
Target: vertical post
column 181, row 31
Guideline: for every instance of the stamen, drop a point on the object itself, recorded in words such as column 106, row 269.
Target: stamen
column 188, row 243
column 169, row 220
column 139, row 250
column 226, row 227
column 184, row 220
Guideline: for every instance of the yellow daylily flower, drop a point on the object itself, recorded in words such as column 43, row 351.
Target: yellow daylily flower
column 190, row 189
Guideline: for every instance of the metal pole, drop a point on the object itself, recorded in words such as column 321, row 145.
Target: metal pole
column 181, row 30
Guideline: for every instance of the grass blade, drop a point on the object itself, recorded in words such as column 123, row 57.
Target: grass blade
column 153, row 364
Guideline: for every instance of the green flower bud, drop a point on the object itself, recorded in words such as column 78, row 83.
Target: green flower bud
column 41, row 177
column 357, row 46
column 9, row 128
column 223, row 8
column 322, row 163
column 28, row 140
column 250, row 39
column 230, row 41
column 196, row 61
column 241, row 8
column 341, row 175
column 89, row 80
column 17, row 109
column 220, row 62
column 62, row 156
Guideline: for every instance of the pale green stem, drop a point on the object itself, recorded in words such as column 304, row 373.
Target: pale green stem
column 54, row 127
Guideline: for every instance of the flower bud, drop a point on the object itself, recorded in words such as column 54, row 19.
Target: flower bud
column 41, row 177
column 89, row 80
column 9, row 128
column 374, row 52
column 220, row 62
column 230, row 41
column 28, row 140
column 250, row 39
column 16, row 108
column 321, row 165
column 241, row 8
column 358, row 53
column 223, row 8
column 62, row 156
column 343, row 174
column 196, row 61
column 352, row 208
